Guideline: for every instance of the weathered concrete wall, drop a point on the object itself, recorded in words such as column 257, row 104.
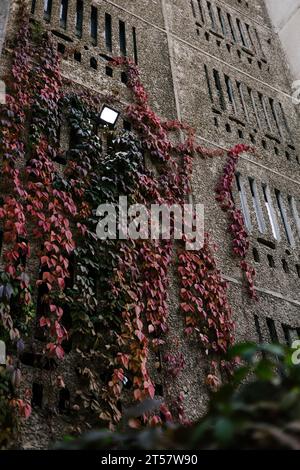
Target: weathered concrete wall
column 180, row 50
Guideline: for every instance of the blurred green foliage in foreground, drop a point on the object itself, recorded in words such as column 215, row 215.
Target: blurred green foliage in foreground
column 258, row 409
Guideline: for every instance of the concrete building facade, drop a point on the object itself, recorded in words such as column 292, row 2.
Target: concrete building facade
column 219, row 66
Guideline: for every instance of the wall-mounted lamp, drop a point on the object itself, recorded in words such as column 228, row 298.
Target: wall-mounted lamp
column 109, row 116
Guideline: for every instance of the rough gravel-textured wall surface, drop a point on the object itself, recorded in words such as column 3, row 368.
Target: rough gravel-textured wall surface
column 3, row 20
column 218, row 66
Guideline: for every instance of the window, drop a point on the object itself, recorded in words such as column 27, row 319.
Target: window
column 264, row 107
column 94, row 24
column 271, row 212
column 37, row 395
column 208, row 83
column 93, row 63
column 200, row 10
column 250, row 36
column 258, row 329
column 271, row 261
column 232, row 30
column 108, row 32
column 285, row 221
column 285, row 266
column 257, row 206
column 242, row 34
column 244, row 203
column 193, row 8
column 33, row 5
column 290, row 334
column 230, row 93
column 285, row 121
column 135, row 51
column 294, row 210
column 47, row 9
column 122, row 37
column 256, row 255
column 219, row 89
column 275, row 116
column 259, row 42
column 272, row 330
column 77, row 56
column 254, row 107
column 79, row 18
column 109, row 71
column 243, row 103
column 63, row 14
column 211, row 15
column 222, row 21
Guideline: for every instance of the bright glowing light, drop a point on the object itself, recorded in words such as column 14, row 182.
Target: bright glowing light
column 109, row 115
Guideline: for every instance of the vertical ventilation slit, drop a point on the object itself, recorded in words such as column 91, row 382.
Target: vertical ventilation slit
column 79, row 18
column 135, row 51
column 108, row 32
column 94, row 24
column 122, row 34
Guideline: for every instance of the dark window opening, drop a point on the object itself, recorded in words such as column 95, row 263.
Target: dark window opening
column 200, row 10
column 127, row 126
column 298, row 269
column 232, row 30
column 93, row 63
column 159, row 390
column 61, row 48
column 94, row 24
column 109, row 71
column 230, row 92
column 271, row 261
column 135, row 51
column 47, row 10
column 122, row 38
column 256, row 255
column 63, row 14
column 108, row 32
column 74, row 138
column 219, row 89
column 272, row 330
column 288, row 334
column 64, row 400
column 211, row 15
column 79, row 18
column 193, row 8
column 208, row 83
column 285, row 266
column 124, row 78
column 222, row 21
column 37, row 395
column 282, row 213
column 33, row 5
column 77, row 56
column 258, row 329
column 242, row 34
